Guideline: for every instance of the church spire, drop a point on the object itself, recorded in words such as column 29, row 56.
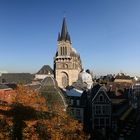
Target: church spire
column 64, row 32
column 64, row 29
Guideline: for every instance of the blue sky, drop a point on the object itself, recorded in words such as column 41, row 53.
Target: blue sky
column 106, row 33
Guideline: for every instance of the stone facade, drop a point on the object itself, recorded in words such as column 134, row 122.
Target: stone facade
column 67, row 63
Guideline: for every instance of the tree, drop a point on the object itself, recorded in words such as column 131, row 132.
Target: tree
column 29, row 118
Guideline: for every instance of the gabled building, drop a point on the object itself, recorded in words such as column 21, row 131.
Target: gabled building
column 67, row 62
column 75, row 105
column 44, row 72
column 97, row 109
column 101, row 108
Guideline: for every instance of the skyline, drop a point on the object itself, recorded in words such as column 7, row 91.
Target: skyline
column 105, row 34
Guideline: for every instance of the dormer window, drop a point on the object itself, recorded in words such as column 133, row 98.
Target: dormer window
column 101, row 98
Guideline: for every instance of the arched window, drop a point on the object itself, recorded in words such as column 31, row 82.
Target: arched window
column 65, row 79
column 61, row 51
column 101, row 98
column 65, row 50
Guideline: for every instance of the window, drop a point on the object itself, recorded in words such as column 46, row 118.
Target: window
column 74, row 102
column 102, row 121
column 72, row 112
column 98, row 110
column 61, row 51
column 78, row 102
column 66, row 50
column 104, row 110
column 71, row 101
column 65, row 80
column 107, row 121
column 96, row 121
column 101, row 98
column 78, row 112
column 107, row 110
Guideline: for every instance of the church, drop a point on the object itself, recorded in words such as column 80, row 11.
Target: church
column 67, row 62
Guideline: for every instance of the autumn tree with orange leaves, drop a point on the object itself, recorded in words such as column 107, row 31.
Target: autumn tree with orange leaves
column 29, row 118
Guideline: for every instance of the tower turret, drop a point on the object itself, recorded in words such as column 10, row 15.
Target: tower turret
column 59, row 37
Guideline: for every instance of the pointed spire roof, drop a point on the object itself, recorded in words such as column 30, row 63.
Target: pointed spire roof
column 59, row 37
column 68, row 37
column 64, row 32
column 64, row 29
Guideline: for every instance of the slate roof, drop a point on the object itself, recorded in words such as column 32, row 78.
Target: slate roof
column 17, row 78
column 13, row 86
column 74, row 92
column 46, row 69
column 94, row 90
column 56, row 54
column 79, row 86
column 54, row 96
column 3, row 86
column 49, row 81
column 64, row 32
column 59, row 37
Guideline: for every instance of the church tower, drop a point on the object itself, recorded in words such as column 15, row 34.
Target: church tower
column 67, row 63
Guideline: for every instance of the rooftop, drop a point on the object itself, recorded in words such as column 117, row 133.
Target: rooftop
column 74, row 92
column 123, row 76
column 46, row 69
column 118, row 101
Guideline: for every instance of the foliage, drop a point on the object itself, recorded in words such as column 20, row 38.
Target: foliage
column 29, row 118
